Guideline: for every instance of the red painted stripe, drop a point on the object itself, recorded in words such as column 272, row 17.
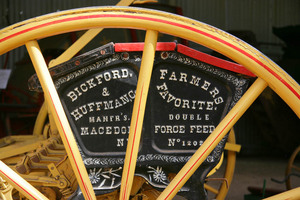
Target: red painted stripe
column 48, row 24
column 200, row 156
column 155, row 20
column 64, row 132
column 160, row 21
column 135, row 129
column 171, row 46
column 224, row 64
column 18, row 185
column 139, row 46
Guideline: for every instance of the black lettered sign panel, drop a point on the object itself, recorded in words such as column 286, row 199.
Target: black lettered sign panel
column 187, row 99
column 185, row 104
column 99, row 106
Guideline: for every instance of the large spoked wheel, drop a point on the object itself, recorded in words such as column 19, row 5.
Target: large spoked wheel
column 154, row 22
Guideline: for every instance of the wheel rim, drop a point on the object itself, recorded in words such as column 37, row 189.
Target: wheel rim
column 206, row 35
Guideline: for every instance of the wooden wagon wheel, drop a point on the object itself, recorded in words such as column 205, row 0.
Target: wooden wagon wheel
column 28, row 32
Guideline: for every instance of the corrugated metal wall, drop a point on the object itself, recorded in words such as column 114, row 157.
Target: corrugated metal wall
column 256, row 15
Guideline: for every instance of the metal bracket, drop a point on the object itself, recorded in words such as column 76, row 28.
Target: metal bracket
column 62, row 181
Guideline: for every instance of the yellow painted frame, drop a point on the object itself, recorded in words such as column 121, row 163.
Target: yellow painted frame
column 269, row 74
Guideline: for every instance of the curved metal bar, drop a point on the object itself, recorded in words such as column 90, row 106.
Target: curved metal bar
column 137, row 118
column 60, row 119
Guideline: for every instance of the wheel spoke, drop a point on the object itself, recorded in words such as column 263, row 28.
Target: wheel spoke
column 211, row 189
column 138, row 113
column 291, row 194
column 82, row 41
column 75, row 47
column 215, row 137
column 232, row 147
column 94, row 18
column 60, row 119
column 19, row 183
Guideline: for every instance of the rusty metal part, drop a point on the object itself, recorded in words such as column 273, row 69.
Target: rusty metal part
column 60, row 177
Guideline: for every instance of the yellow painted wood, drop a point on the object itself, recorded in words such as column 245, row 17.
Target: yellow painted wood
column 20, row 184
column 137, row 118
column 60, row 119
column 215, row 137
column 120, row 17
column 211, row 189
column 232, row 147
column 211, row 37
column 40, row 120
column 124, row 2
column 82, row 41
column 293, row 194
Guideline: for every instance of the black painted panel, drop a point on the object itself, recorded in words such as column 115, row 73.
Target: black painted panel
column 187, row 99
